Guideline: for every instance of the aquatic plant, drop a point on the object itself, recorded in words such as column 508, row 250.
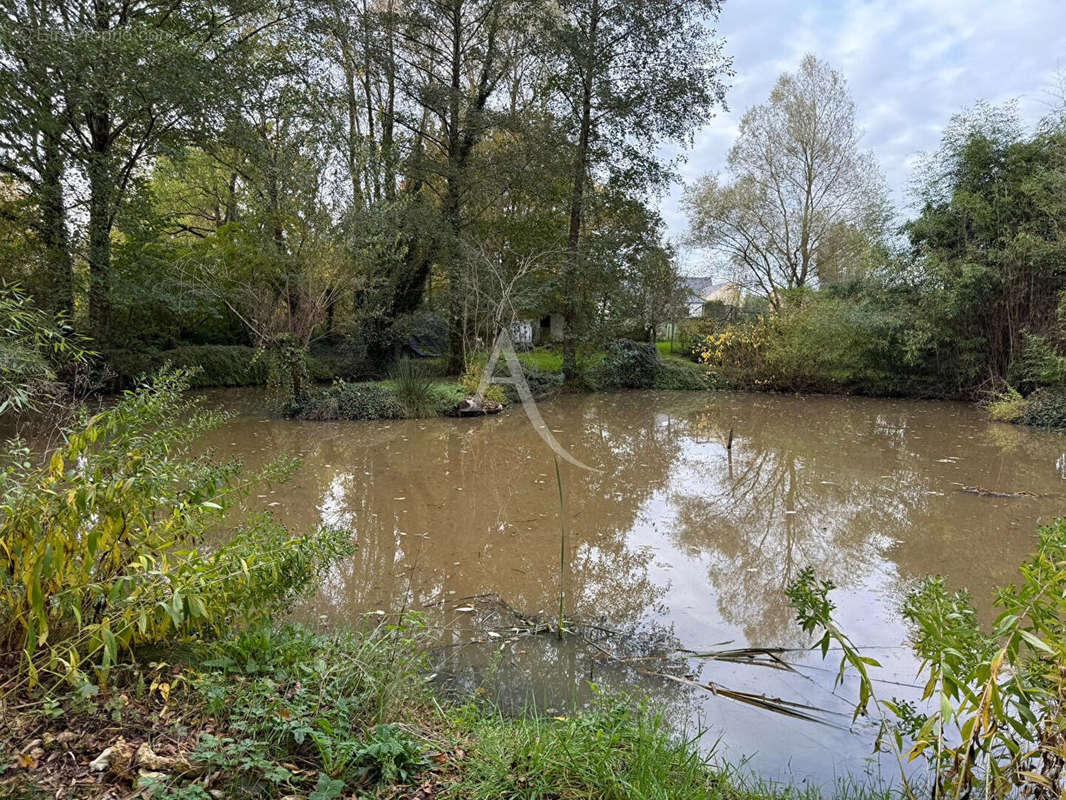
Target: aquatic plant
column 560, row 617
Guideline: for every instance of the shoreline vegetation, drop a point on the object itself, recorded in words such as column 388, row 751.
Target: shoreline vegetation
column 138, row 660
column 735, row 356
column 345, row 202
column 284, row 712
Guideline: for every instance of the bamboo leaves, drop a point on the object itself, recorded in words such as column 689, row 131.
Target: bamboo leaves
column 100, row 546
column 998, row 719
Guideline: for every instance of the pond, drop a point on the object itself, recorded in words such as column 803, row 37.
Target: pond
column 677, row 544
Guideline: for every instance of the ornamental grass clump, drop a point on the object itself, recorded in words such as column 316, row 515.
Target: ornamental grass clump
column 415, row 390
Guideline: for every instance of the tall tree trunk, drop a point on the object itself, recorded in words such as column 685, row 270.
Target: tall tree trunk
column 572, row 268
column 388, row 121
column 451, row 204
column 101, row 193
column 453, row 258
column 54, row 231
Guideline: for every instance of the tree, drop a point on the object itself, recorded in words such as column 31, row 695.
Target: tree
column 659, row 289
column 626, row 75
column 801, row 202
column 31, row 137
column 988, row 244
column 113, row 84
column 455, row 63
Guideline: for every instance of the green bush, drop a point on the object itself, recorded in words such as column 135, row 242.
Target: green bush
column 350, row 401
column 284, row 697
column 100, row 540
column 541, row 382
column 681, row 376
column 219, row 365
column 628, row 365
column 693, row 332
column 470, row 380
column 818, row 342
column 1038, row 365
column 1045, row 408
column 993, row 708
column 343, row 358
column 34, row 349
column 446, row 397
column 207, row 365
column 1007, row 406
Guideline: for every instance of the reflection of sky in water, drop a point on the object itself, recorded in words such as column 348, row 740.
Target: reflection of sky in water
column 675, row 536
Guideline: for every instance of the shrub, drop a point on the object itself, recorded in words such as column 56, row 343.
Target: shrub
column 344, row 358
column 317, row 701
column 1008, row 406
column 817, row 342
column 34, row 348
column 1038, row 365
column 350, row 401
column 1045, row 408
column 471, row 382
column 681, row 376
column 993, row 714
column 205, row 365
column 628, row 365
column 541, row 382
column 413, row 389
column 219, row 365
column 736, row 355
column 692, row 333
column 446, row 396
column 100, row 541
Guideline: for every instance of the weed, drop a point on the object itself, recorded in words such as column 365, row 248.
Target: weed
column 414, row 389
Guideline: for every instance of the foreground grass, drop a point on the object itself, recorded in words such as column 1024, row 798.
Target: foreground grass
column 286, row 713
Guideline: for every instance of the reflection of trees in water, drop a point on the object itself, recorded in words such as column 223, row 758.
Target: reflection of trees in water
column 824, row 481
column 469, row 508
column 825, row 492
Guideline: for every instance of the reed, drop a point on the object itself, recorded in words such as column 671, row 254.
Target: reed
column 414, row 389
column 562, row 552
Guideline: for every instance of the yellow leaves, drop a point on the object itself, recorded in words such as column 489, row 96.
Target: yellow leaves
column 26, row 761
column 1036, row 777
column 163, row 688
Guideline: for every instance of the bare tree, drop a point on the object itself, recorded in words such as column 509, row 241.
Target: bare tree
column 801, row 201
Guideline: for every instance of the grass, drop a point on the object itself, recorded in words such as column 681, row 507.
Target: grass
column 613, row 753
column 546, row 359
column 281, row 712
column 414, row 388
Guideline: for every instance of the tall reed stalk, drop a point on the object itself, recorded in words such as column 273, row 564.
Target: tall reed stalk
column 562, row 551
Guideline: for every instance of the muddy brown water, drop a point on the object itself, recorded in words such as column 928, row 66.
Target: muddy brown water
column 674, row 540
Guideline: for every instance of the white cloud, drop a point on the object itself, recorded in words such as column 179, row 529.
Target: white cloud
column 910, row 64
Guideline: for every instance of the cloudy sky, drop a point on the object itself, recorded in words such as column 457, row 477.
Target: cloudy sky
column 910, row 65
